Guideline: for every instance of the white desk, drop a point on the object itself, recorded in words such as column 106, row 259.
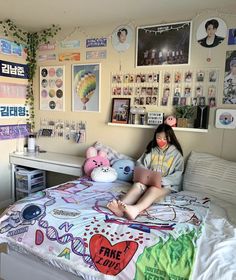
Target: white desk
column 55, row 162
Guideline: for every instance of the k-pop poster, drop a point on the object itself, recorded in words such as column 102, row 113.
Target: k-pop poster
column 230, row 78
column 165, row 44
column 211, row 32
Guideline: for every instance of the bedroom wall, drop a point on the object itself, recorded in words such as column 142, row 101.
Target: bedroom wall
column 127, row 140
column 130, row 141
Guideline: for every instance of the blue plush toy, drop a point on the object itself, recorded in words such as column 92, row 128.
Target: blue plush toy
column 124, row 169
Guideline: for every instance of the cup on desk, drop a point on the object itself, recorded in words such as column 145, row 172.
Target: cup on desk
column 31, row 143
column 20, row 145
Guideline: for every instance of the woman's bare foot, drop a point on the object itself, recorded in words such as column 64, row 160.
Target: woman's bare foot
column 113, row 205
column 130, row 211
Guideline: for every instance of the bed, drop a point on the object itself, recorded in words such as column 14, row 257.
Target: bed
column 66, row 232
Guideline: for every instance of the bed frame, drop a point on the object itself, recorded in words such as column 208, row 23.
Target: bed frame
column 17, row 266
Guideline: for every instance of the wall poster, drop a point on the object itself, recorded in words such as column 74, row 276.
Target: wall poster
column 86, row 87
column 164, row 44
column 229, row 96
column 52, row 88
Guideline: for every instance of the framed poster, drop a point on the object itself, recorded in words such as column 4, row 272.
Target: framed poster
column 86, row 87
column 120, row 110
column 164, row 44
column 52, row 88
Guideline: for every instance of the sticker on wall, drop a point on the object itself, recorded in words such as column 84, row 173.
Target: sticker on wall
column 12, row 90
column 11, row 48
column 73, row 44
column 44, row 57
column 47, row 47
column 13, row 70
column 13, row 110
column 121, row 38
column 96, row 42
column 96, row 54
column 226, row 118
column 13, row 131
column 52, row 88
column 74, row 56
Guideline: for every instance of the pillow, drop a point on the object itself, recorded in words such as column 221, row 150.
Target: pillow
column 94, row 159
column 211, row 175
column 112, row 154
column 104, row 174
column 124, row 169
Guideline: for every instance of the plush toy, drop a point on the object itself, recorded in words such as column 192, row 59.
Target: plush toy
column 104, row 174
column 171, row 121
column 124, row 169
column 94, row 159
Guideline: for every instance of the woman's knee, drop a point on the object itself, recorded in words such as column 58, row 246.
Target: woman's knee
column 140, row 186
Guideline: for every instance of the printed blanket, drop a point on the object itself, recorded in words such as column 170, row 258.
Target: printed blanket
column 70, row 227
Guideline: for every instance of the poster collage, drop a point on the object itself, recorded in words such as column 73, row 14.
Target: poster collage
column 168, row 87
column 52, row 88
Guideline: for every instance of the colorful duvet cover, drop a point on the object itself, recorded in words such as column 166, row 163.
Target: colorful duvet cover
column 70, row 227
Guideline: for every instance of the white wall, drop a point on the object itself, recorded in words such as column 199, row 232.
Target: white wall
column 130, row 141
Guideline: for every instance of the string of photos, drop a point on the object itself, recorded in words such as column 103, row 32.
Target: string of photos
column 167, row 87
column 67, row 129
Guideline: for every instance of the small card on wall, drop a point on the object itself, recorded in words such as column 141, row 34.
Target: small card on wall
column 225, row 118
column 52, row 88
column 154, row 118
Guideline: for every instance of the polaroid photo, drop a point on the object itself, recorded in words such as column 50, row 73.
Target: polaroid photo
column 200, row 76
column 212, row 76
column 167, row 78
column 198, row 91
column 178, row 77
column 188, row 76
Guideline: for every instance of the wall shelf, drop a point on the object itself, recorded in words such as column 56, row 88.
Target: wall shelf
column 186, row 129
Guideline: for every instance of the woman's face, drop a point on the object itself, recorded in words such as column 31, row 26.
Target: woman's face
column 211, row 31
column 233, row 69
column 161, row 139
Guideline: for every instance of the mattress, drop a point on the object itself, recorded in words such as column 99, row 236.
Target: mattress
column 68, row 226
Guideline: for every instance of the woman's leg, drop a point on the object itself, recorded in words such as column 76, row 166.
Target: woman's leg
column 151, row 195
column 129, row 198
column 132, row 196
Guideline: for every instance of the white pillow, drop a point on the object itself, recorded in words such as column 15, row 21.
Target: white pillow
column 104, row 174
column 212, row 175
column 112, row 154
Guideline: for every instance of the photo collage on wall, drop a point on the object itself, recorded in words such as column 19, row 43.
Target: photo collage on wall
column 52, row 88
column 143, row 87
column 168, row 87
column 67, row 129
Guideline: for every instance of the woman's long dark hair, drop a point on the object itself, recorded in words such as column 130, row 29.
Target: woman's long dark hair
column 170, row 135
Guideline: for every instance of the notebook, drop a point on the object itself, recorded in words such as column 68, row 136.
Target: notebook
column 147, row 177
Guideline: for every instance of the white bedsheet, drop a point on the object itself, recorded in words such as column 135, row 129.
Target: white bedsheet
column 218, row 243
